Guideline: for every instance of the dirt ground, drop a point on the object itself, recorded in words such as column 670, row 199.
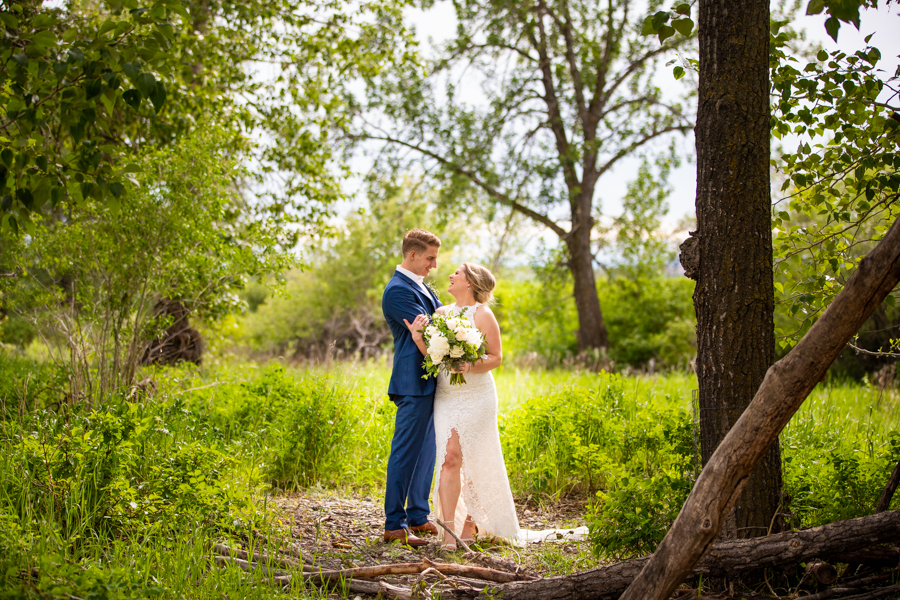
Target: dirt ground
column 344, row 532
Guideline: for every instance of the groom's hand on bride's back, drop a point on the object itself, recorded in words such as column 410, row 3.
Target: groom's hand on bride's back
column 417, row 327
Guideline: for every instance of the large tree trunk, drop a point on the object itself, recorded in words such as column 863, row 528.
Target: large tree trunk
column 732, row 557
column 734, row 297
column 786, row 385
column 591, row 330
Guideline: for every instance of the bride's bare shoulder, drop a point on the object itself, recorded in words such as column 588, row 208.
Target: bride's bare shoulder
column 484, row 312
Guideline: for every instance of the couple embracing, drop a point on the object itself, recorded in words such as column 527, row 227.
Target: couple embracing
column 454, row 427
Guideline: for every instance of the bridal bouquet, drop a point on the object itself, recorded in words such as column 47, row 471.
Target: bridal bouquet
column 451, row 341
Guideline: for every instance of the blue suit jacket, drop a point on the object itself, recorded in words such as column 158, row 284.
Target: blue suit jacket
column 404, row 299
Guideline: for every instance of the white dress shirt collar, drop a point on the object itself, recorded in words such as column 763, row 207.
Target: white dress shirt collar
column 417, row 278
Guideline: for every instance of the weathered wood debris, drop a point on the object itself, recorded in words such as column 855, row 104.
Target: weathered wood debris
column 867, row 544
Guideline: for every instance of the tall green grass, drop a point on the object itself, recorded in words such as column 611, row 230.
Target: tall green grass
column 124, row 500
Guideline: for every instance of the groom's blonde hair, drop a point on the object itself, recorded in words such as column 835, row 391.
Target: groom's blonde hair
column 419, row 240
column 482, row 282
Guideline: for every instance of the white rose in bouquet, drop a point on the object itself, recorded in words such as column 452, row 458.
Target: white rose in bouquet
column 474, row 337
column 439, row 345
column 461, row 332
column 432, row 331
column 457, row 352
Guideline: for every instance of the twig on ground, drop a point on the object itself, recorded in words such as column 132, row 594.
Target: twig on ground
column 461, row 543
column 361, row 549
column 258, row 557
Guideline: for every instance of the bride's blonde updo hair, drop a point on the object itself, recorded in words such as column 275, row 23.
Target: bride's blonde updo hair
column 481, row 281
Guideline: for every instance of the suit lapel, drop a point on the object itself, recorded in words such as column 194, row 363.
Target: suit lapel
column 429, row 297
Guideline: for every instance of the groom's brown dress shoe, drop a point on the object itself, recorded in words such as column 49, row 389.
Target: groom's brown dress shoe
column 426, row 528
column 404, row 536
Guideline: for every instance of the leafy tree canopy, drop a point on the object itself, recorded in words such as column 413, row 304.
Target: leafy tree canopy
column 85, row 87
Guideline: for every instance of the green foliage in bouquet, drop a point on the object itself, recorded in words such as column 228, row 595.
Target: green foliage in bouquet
column 451, row 342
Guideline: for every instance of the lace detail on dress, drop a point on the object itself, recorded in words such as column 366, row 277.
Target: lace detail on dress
column 471, row 410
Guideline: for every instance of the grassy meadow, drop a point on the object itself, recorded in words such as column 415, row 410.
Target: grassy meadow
column 125, row 499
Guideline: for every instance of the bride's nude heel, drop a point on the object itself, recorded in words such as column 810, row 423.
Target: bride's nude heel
column 470, row 540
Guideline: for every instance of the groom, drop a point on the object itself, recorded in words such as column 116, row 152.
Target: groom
column 411, row 464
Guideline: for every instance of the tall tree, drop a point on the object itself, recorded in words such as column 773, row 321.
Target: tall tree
column 569, row 93
column 734, row 296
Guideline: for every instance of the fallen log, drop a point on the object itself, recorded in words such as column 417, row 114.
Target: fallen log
column 453, row 569
column 877, row 556
column 501, row 564
column 726, row 558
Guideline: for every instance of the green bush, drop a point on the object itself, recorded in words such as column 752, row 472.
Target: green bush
column 113, row 472
column 830, row 476
column 300, row 427
column 632, row 518
column 634, row 452
column 582, row 440
column 648, row 319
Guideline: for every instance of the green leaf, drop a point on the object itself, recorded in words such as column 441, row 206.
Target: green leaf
column 10, row 21
column 93, row 88
column 683, row 9
column 683, row 26
column 69, row 34
column 665, row 32
column 43, row 20
column 116, row 189
column 832, row 25
column 146, row 82
column 815, row 7
column 108, row 25
column 678, row 72
column 158, row 96
column 20, row 59
column 131, row 69
column 132, row 98
column 822, row 56
column 647, row 28
column 60, row 68
column 7, row 156
column 44, row 38
column 77, row 131
column 25, row 197
column 13, row 224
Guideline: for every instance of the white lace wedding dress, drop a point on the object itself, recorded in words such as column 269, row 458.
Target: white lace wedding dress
column 471, row 410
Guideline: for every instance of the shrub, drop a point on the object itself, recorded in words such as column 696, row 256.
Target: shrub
column 306, row 429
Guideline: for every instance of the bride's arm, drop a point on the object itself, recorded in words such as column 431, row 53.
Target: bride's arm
column 486, row 322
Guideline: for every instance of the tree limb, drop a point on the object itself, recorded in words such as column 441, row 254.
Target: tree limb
column 497, row 195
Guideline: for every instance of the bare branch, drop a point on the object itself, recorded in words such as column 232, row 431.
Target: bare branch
column 475, row 179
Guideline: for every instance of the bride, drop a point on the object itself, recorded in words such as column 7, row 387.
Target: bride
column 471, row 485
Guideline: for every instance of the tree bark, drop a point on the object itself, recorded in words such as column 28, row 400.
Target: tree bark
column 591, row 329
column 731, row 557
column 734, row 297
column 885, row 501
column 786, row 385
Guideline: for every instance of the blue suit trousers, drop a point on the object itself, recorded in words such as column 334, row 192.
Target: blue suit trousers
column 411, row 464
